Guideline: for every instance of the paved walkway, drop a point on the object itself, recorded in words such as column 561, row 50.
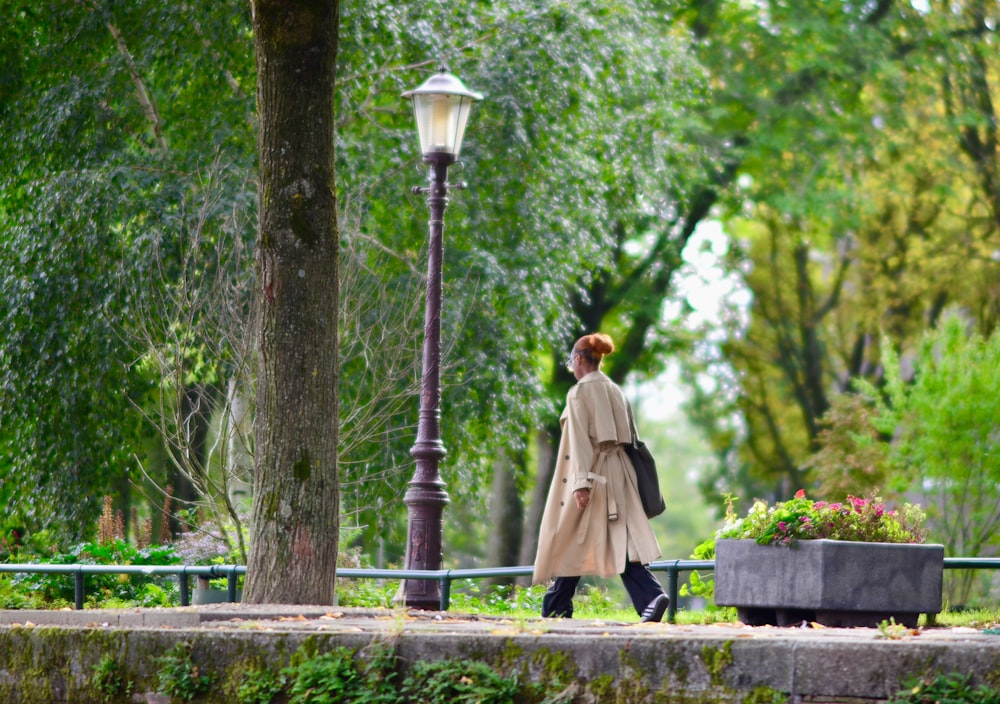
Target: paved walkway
column 332, row 618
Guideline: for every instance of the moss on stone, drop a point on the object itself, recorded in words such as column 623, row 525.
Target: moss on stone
column 602, row 688
column 556, row 668
column 765, row 695
column 678, row 666
column 716, row 660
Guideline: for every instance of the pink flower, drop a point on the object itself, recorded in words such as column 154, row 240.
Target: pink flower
column 855, row 503
column 800, row 494
column 782, row 526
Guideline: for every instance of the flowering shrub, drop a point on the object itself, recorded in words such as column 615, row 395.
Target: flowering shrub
column 203, row 547
column 866, row 520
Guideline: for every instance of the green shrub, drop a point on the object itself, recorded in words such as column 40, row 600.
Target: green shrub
column 260, row 687
column 56, row 590
column 180, row 677
column 952, row 688
column 326, row 679
column 109, row 681
column 458, row 682
column 469, row 597
column 366, row 593
column 339, row 677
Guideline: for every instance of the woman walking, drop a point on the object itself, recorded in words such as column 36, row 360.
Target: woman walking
column 593, row 522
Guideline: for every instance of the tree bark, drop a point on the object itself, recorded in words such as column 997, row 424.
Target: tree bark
column 294, row 530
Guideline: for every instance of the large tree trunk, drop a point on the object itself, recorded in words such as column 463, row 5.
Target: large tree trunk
column 293, row 549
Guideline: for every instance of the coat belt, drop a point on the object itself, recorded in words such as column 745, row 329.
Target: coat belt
column 581, row 531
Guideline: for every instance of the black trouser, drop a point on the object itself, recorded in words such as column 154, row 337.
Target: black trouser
column 641, row 585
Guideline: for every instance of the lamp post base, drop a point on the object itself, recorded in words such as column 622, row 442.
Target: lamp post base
column 425, row 502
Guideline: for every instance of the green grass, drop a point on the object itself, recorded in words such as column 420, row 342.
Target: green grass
column 981, row 618
column 594, row 602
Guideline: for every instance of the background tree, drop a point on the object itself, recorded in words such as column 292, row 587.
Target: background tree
column 190, row 334
column 549, row 154
column 944, row 429
column 109, row 128
column 860, row 211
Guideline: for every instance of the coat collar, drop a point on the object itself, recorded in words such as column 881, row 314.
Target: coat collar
column 593, row 376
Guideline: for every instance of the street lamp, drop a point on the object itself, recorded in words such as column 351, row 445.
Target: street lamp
column 441, row 107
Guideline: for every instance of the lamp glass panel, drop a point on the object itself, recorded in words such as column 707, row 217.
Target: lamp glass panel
column 464, row 108
column 441, row 121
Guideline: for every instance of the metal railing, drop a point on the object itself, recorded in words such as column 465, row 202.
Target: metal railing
column 673, row 568
column 232, row 573
column 182, row 572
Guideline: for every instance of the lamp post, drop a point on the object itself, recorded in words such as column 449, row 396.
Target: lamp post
column 441, row 107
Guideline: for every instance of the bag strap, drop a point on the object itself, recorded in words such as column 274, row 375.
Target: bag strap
column 631, row 423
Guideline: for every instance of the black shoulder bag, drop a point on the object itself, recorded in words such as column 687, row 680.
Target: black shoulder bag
column 645, row 471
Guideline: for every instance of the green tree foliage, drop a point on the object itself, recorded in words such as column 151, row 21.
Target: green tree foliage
column 165, row 122
column 789, row 87
column 853, row 455
column 568, row 160
column 850, row 150
column 865, row 206
column 945, row 427
column 116, row 139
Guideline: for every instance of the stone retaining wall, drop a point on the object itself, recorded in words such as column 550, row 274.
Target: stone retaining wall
column 47, row 664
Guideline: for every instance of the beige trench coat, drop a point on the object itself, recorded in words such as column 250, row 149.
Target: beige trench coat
column 613, row 526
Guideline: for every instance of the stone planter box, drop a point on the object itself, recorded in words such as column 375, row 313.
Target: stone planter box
column 832, row 582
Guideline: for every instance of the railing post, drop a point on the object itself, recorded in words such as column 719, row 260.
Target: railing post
column 231, row 584
column 78, row 588
column 184, row 587
column 672, row 592
column 445, row 590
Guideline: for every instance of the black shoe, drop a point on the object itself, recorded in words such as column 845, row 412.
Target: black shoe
column 657, row 607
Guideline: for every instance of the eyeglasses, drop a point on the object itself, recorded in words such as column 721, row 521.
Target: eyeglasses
column 569, row 360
